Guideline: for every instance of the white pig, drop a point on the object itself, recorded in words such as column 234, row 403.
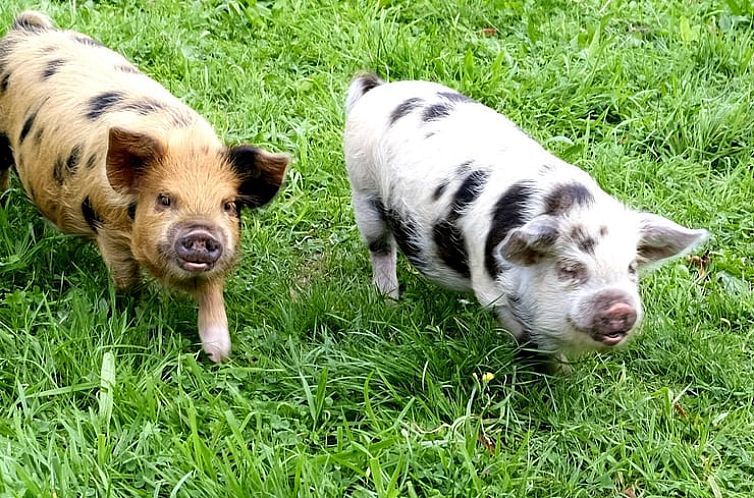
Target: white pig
column 477, row 205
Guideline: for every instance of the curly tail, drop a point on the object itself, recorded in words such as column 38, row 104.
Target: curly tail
column 31, row 20
column 360, row 85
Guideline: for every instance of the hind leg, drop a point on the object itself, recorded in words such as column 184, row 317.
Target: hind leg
column 370, row 219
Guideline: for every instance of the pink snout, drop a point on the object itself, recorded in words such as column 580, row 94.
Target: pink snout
column 614, row 322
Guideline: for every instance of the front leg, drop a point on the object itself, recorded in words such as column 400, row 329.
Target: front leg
column 116, row 253
column 213, row 323
column 530, row 352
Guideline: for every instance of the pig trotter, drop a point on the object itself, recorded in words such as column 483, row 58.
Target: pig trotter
column 213, row 323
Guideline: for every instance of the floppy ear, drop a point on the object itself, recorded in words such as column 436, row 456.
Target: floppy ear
column 261, row 174
column 660, row 239
column 128, row 156
column 530, row 243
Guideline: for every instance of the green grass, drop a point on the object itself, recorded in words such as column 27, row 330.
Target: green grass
column 330, row 391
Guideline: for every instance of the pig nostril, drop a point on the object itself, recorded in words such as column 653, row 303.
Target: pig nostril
column 198, row 247
column 619, row 318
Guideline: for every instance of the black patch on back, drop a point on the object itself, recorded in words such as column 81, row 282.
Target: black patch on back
column 132, row 211
column 27, row 126
column 455, row 97
column 6, row 153
column 436, row 111
column 99, row 104
column 404, row 108
column 508, row 213
column 85, row 40
column 448, row 237
column 143, row 107
column 38, row 136
column 4, row 82
column 52, row 67
column 439, row 191
column 90, row 215
column 564, row 197
column 73, row 160
column 126, row 69
column 368, row 82
column 469, row 190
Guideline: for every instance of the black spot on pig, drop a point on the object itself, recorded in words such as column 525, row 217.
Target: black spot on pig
column 404, row 108
column 100, row 104
column 6, row 153
column 565, row 197
column 4, row 82
column 52, row 67
column 57, row 171
column 404, row 230
column 439, row 191
column 90, row 215
column 92, row 161
column 509, row 212
column 435, row 112
column 448, row 236
column 26, row 128
column 583, row 240
column 73, row 159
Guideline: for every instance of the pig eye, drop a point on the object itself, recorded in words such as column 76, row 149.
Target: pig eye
column 632, row 269
column 571, row 271
column 230, row 207
column 164, row 201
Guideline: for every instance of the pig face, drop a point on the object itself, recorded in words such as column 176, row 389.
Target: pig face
column 187, row 201
column 578, row 285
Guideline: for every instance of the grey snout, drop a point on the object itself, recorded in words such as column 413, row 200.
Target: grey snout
column 619, row 318
column 197, row 248
column 614, row 314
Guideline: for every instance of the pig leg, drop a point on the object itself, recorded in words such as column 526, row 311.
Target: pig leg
column 382, row 251
column 213, row 323
column 6, row 163
column 116, row 253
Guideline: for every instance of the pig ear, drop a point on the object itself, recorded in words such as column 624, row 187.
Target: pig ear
column 261, row 173
column 530, row 243
column 660, row 239
column 128, row 156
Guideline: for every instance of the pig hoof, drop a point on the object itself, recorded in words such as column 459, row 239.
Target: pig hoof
column 217, row 345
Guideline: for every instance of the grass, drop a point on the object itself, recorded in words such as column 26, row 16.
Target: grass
column 330, row 391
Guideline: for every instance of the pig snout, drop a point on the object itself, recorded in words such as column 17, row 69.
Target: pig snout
column 197, row 248
column 614, row 317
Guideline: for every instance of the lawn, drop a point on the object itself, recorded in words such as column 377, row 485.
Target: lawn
column 332, row 392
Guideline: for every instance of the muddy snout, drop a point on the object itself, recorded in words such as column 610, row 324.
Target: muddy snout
column 197, row 247
column 615, row 314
